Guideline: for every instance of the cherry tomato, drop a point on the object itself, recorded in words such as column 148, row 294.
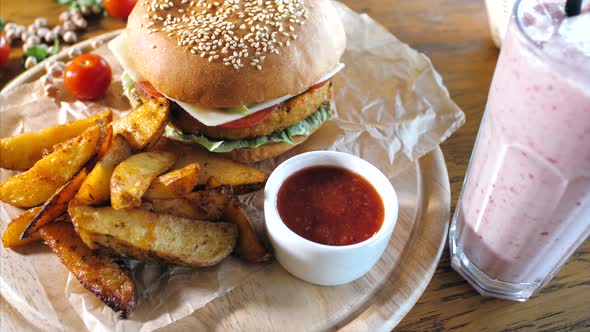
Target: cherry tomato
column 119, row 8
column 318, row 85
column 4, row 49
column 149, row 89
column 88, row 76
column 250, row 120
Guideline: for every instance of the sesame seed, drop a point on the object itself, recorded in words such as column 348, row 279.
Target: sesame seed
column 247, row 30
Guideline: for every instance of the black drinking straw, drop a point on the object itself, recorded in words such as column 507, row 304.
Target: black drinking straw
column 573, row 7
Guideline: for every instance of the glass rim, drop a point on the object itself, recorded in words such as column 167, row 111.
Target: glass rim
column 537, row 48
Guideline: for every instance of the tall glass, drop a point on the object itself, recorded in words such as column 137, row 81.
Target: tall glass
column 525, row 204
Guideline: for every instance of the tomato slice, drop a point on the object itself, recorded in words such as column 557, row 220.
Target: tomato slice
column 250, row 120
column 318, row 85
column 149, row 89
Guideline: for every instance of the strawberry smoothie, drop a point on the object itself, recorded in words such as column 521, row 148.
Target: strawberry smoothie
column 525, row 206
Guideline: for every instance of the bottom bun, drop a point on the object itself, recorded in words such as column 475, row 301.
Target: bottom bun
column 266, row 151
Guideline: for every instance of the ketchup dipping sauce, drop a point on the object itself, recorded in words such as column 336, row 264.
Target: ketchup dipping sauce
column 329, row 216
column 330, row 205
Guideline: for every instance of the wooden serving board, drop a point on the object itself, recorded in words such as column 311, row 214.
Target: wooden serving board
column 273, row 300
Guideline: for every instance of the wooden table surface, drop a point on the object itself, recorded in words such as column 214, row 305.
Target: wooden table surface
column 454, row 34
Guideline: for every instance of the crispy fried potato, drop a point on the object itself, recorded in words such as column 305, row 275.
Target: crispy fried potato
column 23, row 151
column 174, row 184
column 105, row 143
column 214, row 200
column 199, row 205
column 12, row 235
column 96, row 188
column 249, row 246
column 242, row 178
column 155, row 237
column 132, row 177
column 36, row 185
column 56, row 205
column 99, row 274
column 144, row 126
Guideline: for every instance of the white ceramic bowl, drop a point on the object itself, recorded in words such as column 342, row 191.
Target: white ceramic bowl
column 318, row 263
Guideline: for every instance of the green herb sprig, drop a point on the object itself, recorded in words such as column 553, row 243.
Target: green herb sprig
column 77, row 4
column 41, row 53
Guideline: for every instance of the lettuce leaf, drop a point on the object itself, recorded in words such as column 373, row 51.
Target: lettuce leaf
column 129, row 90
column 302, row 128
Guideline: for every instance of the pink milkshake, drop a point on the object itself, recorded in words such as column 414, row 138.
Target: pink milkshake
column 525, row 206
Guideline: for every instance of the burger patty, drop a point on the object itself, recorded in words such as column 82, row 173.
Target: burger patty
column 287, row 114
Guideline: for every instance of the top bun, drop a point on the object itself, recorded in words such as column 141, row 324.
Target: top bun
column 191, row 60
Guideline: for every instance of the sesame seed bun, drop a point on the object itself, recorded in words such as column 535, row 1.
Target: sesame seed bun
column 316, row 41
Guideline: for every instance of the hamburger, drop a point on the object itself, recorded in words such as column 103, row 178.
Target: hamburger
column 247, row 78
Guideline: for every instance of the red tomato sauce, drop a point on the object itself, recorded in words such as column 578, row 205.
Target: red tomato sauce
column 330, row 205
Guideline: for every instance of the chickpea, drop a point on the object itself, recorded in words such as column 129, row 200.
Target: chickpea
column 25, row 35
column 74, row 52
column 10, row 26
column 75, row 12
column 57, row 69
column 57, row 31
column 49, row 37
column 64, row 17
column 40, row 22
column 86, row 10
column 41, row 32
column 81, row 23
column 32, row 29
column 33, row 40
column 69, row 26
column 70, row 37
column 30, row 62
column 20, row 29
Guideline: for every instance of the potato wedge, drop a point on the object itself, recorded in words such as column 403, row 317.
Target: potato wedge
column 249, row 247
column 174, row 184
column 144, row 126
column 213, row 200
column 242, row 178
column 23, row 151
column 132, row 177
column 96, row 188
column 200, row 205
column 12, row 235
column 155, row 237
column 105, row 143
column 56, row 205
column 99, row 274
column 39, row 183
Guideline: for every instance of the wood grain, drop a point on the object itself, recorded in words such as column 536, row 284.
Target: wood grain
column 454, row 34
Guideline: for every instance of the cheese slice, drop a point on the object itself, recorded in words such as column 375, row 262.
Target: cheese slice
column 206, row 115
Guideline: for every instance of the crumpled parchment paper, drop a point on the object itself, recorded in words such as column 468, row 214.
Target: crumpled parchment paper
column 392, row 108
